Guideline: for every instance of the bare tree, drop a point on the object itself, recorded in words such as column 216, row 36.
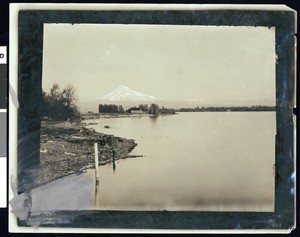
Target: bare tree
column 69, row 95
column 55, row 92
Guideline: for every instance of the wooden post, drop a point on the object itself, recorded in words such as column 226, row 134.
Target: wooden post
column 96, row 163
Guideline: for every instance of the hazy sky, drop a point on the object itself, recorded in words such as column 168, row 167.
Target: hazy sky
column 219, row 65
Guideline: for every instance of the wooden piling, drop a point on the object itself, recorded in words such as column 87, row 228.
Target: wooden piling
column 96, row 163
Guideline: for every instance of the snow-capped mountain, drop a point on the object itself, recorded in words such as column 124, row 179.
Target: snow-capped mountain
column 124, row 93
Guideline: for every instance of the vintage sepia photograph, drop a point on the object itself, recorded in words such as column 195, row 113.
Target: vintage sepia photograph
column 179, row 118
column 127, row 121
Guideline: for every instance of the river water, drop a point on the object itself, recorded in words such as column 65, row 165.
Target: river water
column 205, row 161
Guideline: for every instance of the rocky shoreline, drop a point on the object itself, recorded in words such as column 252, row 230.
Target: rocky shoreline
column 68, row 148
column 89, row 116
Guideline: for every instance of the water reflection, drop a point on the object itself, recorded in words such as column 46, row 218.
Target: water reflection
column 114, row 164
column 153, row 120
column 96, row 192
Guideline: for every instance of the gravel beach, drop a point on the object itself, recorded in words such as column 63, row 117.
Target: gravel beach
column 68, row 148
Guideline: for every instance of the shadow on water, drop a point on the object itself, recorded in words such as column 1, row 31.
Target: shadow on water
column 98, row 183
column 114, row 164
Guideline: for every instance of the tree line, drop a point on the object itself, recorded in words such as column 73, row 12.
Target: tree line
column 111, row 108
column 224, row 109
column 152, row 109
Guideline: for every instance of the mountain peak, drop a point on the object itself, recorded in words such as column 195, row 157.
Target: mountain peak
column 124, row 93
column 123, row 87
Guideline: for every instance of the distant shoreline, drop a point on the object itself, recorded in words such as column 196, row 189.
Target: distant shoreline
column 87, row 116
column 229, row 109
column 226, row 111
column 115, row 115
